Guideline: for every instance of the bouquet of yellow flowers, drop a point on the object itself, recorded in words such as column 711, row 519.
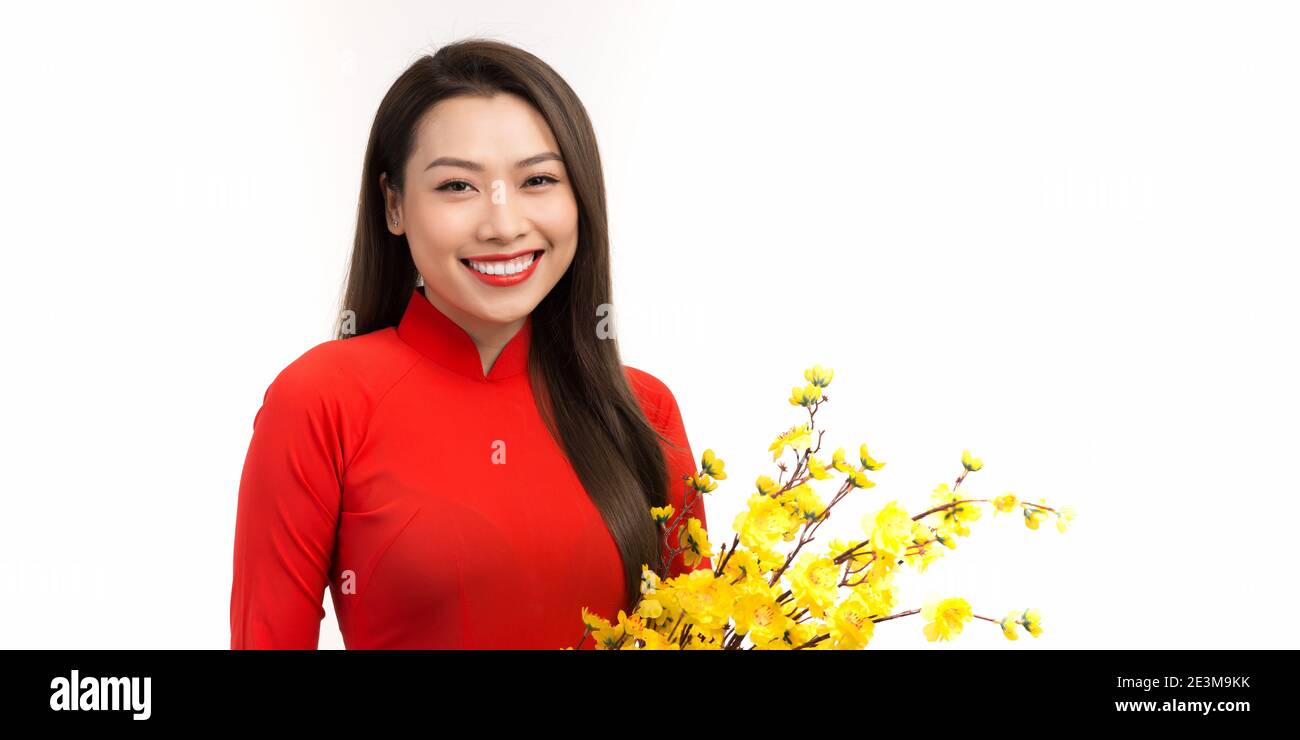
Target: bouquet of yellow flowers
column 780, row 601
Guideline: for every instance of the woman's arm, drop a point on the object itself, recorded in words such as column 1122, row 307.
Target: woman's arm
column 289, row 498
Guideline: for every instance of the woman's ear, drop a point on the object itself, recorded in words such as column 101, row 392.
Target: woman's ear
column 392, row 205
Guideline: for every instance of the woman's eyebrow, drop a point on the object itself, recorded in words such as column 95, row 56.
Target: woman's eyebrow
column 478, row 167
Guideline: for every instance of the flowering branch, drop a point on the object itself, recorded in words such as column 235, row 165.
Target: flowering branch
column 793, row 601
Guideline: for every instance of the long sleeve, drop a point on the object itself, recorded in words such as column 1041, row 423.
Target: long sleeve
column 288, row 510
column 680, row 463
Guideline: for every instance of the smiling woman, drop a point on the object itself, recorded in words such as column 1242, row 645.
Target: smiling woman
column 473, row 465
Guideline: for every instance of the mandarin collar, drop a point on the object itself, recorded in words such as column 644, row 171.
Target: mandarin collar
column 443, row 341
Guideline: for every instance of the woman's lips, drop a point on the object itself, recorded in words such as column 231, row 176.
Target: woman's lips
column 501, row 281
column 499, row 257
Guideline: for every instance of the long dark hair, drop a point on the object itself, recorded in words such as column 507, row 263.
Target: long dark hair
column 578, row 378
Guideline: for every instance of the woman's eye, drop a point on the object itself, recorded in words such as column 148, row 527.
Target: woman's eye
column 450, row 187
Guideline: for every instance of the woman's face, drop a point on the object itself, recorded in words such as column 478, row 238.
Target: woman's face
column 485, row 179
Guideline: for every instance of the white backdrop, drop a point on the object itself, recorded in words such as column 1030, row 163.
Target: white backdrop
column 1059, row 235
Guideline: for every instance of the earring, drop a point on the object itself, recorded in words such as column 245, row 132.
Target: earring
column 394, row 220
column 419, row 279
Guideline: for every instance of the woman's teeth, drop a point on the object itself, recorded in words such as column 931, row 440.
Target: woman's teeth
column 509, row 267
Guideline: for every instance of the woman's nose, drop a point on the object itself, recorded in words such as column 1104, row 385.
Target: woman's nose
column 504, row 219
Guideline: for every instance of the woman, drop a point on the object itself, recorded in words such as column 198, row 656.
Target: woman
column 468, row 463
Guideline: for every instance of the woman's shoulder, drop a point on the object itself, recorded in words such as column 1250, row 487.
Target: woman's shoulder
column 657, row 400
column 342, row 369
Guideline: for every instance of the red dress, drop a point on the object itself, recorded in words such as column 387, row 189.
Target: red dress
column 429, row 498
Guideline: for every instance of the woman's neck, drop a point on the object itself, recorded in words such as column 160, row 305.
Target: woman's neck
column 489, row 337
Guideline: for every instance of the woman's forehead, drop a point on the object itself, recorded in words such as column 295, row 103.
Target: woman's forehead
column 497, row 131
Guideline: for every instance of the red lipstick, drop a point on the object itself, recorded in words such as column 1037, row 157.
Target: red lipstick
column 502, row 281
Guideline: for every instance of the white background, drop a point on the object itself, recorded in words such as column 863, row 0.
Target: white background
column 1059, row 235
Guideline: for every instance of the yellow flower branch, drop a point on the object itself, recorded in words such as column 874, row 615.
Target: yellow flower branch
column 795, row 600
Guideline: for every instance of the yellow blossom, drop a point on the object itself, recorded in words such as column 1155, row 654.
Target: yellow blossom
column 839, row 463
column 713, row 465
column 766, row 485
column 928, row 544
column 817, row 468
column 743, row 566
column 970, row 463
column 764, row 523
column 921, row 533
column 1033, row 620
column 814, row 581
column 662, row 514
column 769, row 558
column 945, row 618
column 808, row 504
column 702, row 483
column 649, row 581
column 851, row 624
column 890, row 531
column 880, row 571
column 1034, row 515
column 881, row 598
column 1009, row 623
column 594, row 621
column 655, row 641
column 1066, row 514
column 1005, row 504
column 818, row 375
column 837, row 546
column 867, row 461
column 858, row 479
column 759, row 617
column 808, row 395
column 796, row 438
column 650, row 609
column 695, row 539
column 921, row 560
column 706, row 599
column 633, row 625
column 954, row 518
column 803, row 632
column 609, row 638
